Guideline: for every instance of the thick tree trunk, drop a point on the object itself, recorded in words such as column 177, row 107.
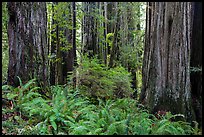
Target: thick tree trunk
column 196, row 61
column 27, row 36
column 166, row 64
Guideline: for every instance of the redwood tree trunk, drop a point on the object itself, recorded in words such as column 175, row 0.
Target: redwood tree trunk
column 166, row 64
column 27, row 28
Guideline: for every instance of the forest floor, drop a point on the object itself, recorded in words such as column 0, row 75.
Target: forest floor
column 85, row 117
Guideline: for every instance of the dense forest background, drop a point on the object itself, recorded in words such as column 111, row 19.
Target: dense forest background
column 131, row 68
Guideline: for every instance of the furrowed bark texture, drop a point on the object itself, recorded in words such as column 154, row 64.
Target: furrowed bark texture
column 27, row 42
column 166, row 64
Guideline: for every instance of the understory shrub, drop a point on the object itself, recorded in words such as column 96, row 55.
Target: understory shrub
column 97, row 80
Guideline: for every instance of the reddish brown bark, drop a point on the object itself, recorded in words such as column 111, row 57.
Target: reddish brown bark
column 166, row 64
column 27, row 42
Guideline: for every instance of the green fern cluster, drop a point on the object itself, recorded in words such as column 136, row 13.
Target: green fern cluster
column 55, row 115
column 70, row 113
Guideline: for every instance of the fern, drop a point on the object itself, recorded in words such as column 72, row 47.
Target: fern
column 73, row 113
column 111, row 130
column 21, row 84
column 52, row 119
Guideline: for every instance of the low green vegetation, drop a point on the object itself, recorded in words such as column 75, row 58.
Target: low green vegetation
column 97, row 80
column 72, row 112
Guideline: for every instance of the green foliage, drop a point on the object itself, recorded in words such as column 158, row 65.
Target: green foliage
column 131, row 37
column 96, row 80
column 51, row 112
column 21, row 94
column 5, row 50
column 71, row 111
column 73, row 114
column 5, row 61
column 166, row 126
column 109, row 39
column 49, row 115
column 116, row 117
column 61, row 15
column 196, row 69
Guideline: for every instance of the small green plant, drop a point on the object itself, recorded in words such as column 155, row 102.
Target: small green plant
column 196, row 69
column 22, row 93
column 56, row 115
column 165, row 126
